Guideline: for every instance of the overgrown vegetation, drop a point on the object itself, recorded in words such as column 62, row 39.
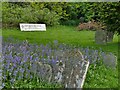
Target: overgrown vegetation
column 65, row 13
column 54, row 13
column 97, row 77
column 91, row 25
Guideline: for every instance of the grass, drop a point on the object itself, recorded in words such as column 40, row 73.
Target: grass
column 64, row 34
column 34, row 84
column 98, row 77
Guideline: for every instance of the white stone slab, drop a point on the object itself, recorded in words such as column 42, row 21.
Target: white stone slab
column 84, row 75
column 32, row 27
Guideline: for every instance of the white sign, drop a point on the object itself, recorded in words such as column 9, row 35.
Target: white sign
column 32, row 27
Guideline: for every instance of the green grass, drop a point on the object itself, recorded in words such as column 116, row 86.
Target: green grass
column 101, row 77
column 98, row 77
column 64, row 34
column 33, row 84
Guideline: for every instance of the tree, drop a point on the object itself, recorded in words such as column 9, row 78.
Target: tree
column 109, row 14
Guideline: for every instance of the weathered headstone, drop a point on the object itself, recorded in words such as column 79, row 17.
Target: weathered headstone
column 72, row 69
column 32, row 27
column 58, row 73
column 69, row 70
column 43, row 71
column 101, row 37
column 76, row 76
column 110, row 60
column 69, row 53
column 59, row 53
column 110, row 36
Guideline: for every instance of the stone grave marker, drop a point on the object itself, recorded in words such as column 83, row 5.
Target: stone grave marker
column 32, row 27
column 75, row 77
column 110, row 36
column 101, row 37
column 43, row 71
column 59, row 53
column 68, row 71
column 110, row 60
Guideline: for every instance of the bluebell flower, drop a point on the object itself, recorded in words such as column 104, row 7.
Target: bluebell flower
column 15, row 73
column 3, row 85
column 31, row 57
column 12, row 80
column 19, row 77
column 0, row 74
column 22, row 70
column 4, row 77
column 31, row 77
column 55, row 42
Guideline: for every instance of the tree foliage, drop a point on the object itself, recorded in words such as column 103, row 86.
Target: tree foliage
column 15, row 13
column 53, row 13
column 110, row 15
column 105, row 12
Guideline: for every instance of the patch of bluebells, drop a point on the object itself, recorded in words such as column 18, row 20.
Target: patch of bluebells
column 18, row 58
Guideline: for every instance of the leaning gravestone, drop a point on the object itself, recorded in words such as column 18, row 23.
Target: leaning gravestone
column 75, row 77
column 32, row 27
column 110, row 36
column 70, row 70
column 110, row 60
column 101, row 37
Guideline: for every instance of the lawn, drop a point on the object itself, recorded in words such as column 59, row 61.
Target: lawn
column 64, row 34
column 99, row 77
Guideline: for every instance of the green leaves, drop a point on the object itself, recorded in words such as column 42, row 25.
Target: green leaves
column 107, row 12
column 101, row 76
column 51, row 13
column 15, row 13
column 110, row 15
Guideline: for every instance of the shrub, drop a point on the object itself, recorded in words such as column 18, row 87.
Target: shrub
column 13, row 14
column 48, row 17
column 91, row 25
column 70, row 22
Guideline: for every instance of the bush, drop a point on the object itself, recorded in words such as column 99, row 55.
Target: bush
column 91, row 25
column 49, row 17
column 13, row 14
column 70, row 22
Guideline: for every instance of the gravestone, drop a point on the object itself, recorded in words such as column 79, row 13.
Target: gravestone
column 110, row 36
column 58, row 72
column 32, row 27
column 59, row 53
column 101, row 37
column 69, row 53
column 110, row 60
column 70, row 76
column 74, row 53
column 69, row 70
column 43, row 71
column 75, row 77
